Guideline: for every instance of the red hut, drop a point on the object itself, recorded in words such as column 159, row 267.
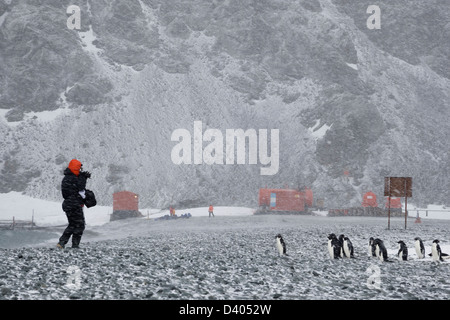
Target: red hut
column 369, row 200
column 309, row 197
column 125, row 205
column 287, row 201
column 125, row 200
column 396, row 206
column 396, row 203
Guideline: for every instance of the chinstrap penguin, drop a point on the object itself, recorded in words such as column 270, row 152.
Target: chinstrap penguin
column 348, row 248
column 281, row 246
column 341, row 245
column 334, row 248
column 436, row 252
column 420, row 248
column 402, row 253
column 371, row 248
column 380, row 250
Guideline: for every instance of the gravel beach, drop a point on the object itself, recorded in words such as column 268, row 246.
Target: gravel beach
column 226, row 257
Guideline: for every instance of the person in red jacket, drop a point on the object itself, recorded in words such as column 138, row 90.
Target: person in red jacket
column 211, row 210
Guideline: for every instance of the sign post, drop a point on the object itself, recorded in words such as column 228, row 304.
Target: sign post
column 398, row 187
column 389, row 212
column 406, row 202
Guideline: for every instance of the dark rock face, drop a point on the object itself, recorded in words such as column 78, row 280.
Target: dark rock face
column 372, row 103
column 39, row 60
column 412, row 31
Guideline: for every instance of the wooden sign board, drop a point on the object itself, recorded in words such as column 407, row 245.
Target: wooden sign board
column 398, row 187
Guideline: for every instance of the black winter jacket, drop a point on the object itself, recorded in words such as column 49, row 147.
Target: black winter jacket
column 71, row 185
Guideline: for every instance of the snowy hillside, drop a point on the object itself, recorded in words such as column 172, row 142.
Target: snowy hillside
column 344, row 98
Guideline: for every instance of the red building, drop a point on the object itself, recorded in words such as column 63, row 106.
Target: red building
column 284, row 200
column 369, row 199
column 125, row 205
column 309, row 197
column 125, row 200
column 396, row 203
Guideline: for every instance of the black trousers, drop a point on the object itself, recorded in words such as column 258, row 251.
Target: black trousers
column 75, row 228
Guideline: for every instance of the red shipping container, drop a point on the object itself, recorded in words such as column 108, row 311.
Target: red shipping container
column 125, row 201
column 282, row 199
column 309, row 197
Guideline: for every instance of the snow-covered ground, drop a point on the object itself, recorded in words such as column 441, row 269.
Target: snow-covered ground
column 47, row 213
column 231, row 256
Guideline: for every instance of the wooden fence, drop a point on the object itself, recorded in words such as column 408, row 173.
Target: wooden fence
column 17, row 224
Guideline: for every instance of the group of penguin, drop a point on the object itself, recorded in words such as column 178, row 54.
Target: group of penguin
column 377, row 249
column 342, row 247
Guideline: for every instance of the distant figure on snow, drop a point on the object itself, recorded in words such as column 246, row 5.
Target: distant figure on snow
column 73, row 191
column 172, row 212
column 211, row 210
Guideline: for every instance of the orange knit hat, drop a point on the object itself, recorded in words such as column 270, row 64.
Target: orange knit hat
column 75, row 166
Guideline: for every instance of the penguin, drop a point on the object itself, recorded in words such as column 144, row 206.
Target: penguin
column 402, row 253
column 380, row 250
column 348, row 248
column 420, row 248
column 334, row 248
column 436, row 252
column 281, row 246
column 341, row 245
column 376, row 247
column 371, row 248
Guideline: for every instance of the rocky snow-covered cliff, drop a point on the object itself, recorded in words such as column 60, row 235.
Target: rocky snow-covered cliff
column 374, row 103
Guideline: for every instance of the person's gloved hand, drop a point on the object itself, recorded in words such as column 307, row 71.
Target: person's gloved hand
column 86, row 174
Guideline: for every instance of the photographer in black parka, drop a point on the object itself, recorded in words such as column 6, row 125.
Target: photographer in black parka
column 73, row 191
